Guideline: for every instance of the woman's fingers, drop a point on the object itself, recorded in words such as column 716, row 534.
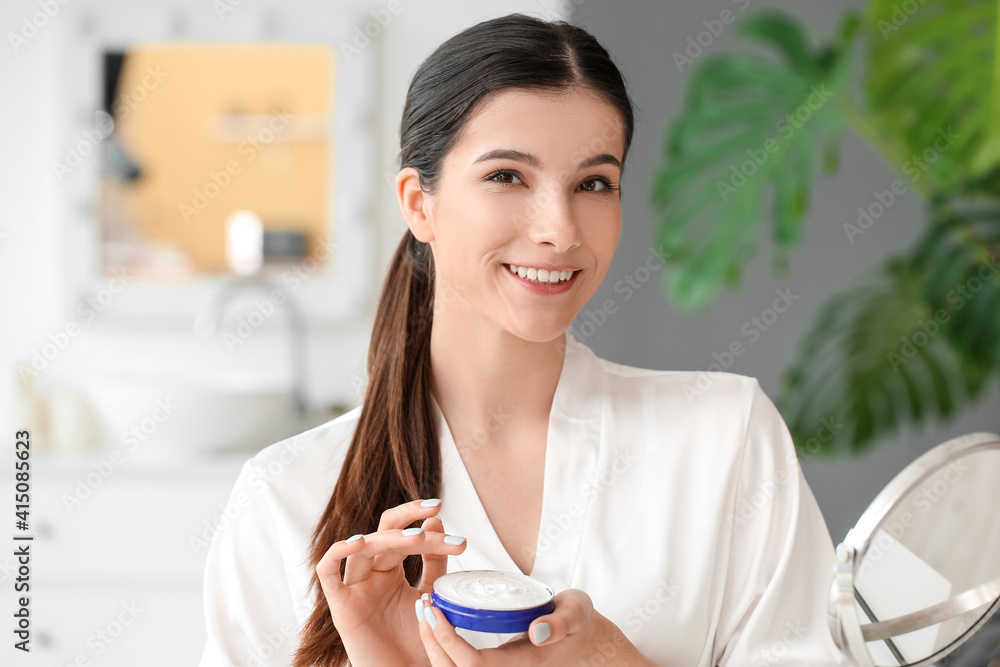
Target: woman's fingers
column 443, row 645
column 401, row 516
column 572, row 612
column 328, row 568
column 391, row 547
column 436, row 564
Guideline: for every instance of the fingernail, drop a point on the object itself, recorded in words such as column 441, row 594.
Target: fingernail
column 453, row 540
column 354, row 538
column 429, row 614
column 412, row 531
column 431, row 502
column 420, row 610
column 425, row 596
column 542, row 632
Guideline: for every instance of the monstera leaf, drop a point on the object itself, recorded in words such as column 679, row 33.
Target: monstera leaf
column 926, row 339
column 919, row 339
column 753, row 128
column 934, row 73
column 911, row 345
column 959, row 259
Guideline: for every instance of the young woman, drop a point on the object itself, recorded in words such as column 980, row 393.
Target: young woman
column 672, row 518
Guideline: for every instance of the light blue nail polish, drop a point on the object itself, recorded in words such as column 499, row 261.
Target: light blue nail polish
column 429, row 614
column 425, row 596
column 454, row 540
column 431, row 502
column 354, row 538
column 542, row 632
column 412, row 531
column 420, row 610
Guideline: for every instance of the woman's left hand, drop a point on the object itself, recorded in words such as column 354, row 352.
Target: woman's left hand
column 573, row 632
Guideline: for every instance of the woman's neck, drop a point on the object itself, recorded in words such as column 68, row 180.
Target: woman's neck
column 485, row 377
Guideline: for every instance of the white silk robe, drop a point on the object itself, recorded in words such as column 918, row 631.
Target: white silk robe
column 680, row 508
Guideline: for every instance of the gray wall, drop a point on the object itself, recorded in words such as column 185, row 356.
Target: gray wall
column 648, row 331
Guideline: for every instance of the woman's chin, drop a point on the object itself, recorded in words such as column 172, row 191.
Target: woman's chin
column 541, row 333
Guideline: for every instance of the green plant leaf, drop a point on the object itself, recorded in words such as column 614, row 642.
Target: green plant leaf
column 959, row 257
column 754, row 132
column 871, row 364
column 934, row 72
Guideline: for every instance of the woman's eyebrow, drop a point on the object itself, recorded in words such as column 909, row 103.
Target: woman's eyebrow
column 531, row 160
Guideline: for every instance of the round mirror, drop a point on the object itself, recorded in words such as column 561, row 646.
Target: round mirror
column 920, row 572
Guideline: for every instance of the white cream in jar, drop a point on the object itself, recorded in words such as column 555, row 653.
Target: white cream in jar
column 492, row 600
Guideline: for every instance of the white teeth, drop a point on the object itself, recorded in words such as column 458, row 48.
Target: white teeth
column 542, row 276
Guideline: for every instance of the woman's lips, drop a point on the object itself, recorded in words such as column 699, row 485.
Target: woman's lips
column 540, row 288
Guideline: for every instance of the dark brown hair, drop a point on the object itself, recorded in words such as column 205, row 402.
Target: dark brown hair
column 394, row 456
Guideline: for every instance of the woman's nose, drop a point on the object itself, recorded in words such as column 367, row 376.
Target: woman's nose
column 550, row 219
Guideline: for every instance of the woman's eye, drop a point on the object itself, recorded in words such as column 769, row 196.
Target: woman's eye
column 596, row 185
column 504, row 177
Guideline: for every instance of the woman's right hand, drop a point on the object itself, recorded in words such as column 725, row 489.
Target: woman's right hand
column 374, row 606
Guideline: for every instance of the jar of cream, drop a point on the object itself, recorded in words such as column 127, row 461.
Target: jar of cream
column 492, row 600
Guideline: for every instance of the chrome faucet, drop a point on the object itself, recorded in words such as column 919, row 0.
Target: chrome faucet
column 209, row 319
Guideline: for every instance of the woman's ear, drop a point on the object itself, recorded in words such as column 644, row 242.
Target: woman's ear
column 414, row 203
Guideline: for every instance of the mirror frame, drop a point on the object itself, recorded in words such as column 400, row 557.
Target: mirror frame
column 336, row 293
column 845, row 625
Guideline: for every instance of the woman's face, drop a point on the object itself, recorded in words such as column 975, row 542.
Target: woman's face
column 532, row 183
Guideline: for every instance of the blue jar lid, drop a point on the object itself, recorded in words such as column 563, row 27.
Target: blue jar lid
column 491, row 620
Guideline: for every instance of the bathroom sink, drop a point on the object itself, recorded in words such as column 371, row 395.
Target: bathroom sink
column 157, row 414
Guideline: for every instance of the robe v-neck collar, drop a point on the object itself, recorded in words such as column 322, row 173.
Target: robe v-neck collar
column 571, row 454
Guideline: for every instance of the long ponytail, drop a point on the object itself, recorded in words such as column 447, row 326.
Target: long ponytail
column 393, row 457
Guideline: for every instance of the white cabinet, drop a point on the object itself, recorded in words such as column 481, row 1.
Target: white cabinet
column 116, row 576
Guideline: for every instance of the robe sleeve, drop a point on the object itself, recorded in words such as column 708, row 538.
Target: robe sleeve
column 781, row 557
column 249, row 615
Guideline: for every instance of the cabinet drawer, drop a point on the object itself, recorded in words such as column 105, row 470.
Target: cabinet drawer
column 130, row 527
column 116, row 627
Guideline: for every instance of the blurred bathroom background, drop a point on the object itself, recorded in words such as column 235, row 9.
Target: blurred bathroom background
column 198, row 216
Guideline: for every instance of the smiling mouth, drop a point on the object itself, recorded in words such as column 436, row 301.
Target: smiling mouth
column 541, row 276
